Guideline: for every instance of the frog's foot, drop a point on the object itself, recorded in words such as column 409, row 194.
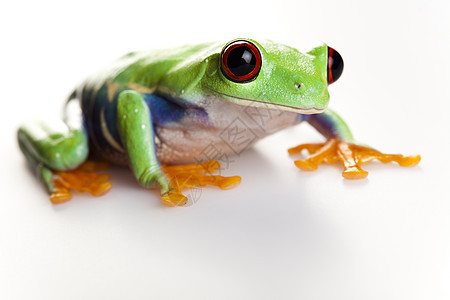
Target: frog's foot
column 352, row 156
column 193, row 175
column 82, row 179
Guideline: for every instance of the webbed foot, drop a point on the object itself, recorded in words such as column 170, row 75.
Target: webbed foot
column 351, row 155
column 82, row 179
column 193, row 175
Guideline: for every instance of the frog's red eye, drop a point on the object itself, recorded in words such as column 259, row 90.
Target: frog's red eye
column 335, row 65
column 240, row 61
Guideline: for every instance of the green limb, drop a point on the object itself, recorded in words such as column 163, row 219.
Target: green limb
column 52, row 146
column 330, row 125
column 136, row 130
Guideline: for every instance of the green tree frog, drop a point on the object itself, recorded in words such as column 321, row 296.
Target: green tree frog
column 164, row 113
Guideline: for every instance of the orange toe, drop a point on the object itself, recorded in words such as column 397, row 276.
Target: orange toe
column 82, row 179
column 351, row 156
column 188, row 176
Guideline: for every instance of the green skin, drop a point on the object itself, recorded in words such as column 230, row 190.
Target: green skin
column 191, row 76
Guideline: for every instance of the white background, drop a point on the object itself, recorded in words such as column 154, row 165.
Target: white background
column 283, row 233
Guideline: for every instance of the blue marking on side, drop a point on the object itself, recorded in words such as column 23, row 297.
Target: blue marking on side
column 93, row 118
column 162, row 110
column 302, row 117
column 327, row 123
column 324, row 124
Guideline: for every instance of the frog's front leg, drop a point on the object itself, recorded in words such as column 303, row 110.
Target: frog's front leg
column 340, row 146
column 137, row 133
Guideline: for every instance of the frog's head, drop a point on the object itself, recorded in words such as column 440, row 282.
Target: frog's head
column 272, row 75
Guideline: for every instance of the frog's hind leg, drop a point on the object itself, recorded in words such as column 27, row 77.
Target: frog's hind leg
column 53, row 149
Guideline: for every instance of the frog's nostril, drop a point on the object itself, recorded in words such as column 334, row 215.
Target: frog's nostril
column 297, row 85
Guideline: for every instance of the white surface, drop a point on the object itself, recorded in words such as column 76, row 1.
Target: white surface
column 283, row 233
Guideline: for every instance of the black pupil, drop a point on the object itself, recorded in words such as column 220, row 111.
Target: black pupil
column 241, row 61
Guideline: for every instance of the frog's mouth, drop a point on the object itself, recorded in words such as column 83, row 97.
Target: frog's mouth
column 261, row 104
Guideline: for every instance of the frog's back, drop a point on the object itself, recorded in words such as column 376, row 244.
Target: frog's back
column 144, row 67
column 140, row 71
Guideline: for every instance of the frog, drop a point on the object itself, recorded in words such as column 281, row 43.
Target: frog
column 159, row 111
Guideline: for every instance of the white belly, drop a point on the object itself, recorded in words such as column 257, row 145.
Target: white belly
column 230, row 129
